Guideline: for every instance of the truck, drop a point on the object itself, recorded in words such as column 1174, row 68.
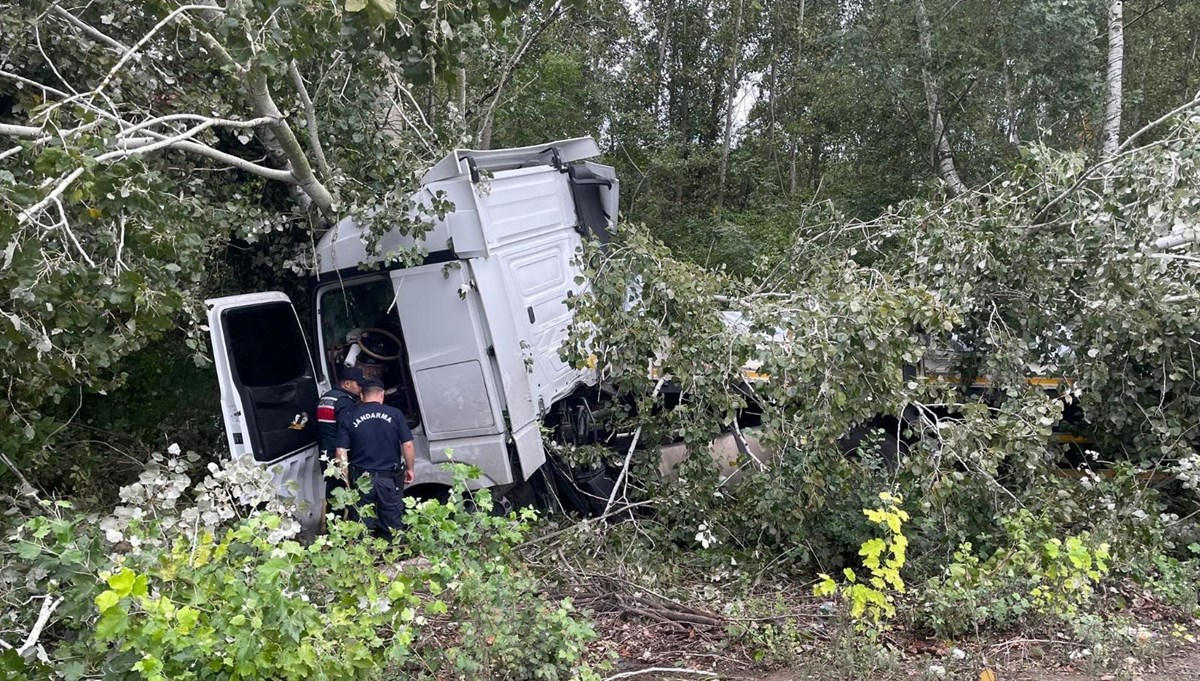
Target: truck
column 466, row 342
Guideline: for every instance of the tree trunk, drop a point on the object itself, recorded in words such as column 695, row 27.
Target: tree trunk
column 462, row 98
column 1186, row 78
column 661, row 77
column 1010, row 104
column 281, row 134
column 795, row 155
column 485, row 134
column 1135, row 112
column 772, row 82
column 1110, row 137
column 431, row 105
column 735, row 52
column 942, row 156
column 816, row 160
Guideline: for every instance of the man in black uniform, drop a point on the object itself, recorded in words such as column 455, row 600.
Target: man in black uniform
column 376, row 440
column 335, row 402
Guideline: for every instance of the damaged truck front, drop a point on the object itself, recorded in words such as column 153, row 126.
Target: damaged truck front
column 466, row 342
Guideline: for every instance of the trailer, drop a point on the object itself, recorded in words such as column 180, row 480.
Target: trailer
column 466, row 341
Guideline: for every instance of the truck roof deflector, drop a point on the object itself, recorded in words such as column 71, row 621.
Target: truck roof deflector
column 463, row 161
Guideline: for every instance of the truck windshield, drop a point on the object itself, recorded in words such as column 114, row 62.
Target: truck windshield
column 357, row 306
column 360, row 327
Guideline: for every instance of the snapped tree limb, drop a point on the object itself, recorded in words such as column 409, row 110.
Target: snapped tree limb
column 310, row 115
column 127, row 147
column 299, row 167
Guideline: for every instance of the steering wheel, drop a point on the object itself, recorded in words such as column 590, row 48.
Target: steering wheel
column 379, row 353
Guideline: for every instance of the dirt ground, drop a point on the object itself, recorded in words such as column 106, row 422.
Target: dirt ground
column 1183, row 665
column 692, row 656
column 647, row 635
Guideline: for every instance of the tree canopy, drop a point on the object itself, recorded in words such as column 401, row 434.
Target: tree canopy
column 827, row 192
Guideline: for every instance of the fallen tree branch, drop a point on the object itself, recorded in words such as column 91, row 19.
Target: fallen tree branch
column 1123, row 151
column 143, row 145
column 1176, row 240
column 605, row 516
column 209, row 120
column 164, row 143
column 662, row 670
column 637, row 434
column 16, row 471
column 87, row 28
column 131, row 52
column 22, row 131
column 301, row 169
column 1195, row 102
column 49, row 605
column 125, row 57
column 1037, row 225
column 310, row 115
column 52, row 197
column 229, row 159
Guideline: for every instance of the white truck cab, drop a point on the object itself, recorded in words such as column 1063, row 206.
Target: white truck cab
column 466, row 343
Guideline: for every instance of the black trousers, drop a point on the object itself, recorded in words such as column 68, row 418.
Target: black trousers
column 386, row 496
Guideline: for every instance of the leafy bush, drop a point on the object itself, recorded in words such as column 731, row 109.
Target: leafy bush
column 209, row 581
column 494, row 623
column 1036, row 573
column 871, row 598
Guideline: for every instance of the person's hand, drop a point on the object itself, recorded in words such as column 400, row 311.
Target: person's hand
column 409, row 476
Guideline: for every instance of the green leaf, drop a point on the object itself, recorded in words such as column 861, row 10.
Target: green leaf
column 28, row 550
column 356, row 5
column 187, row 618
column 112, row 624
column 122, row 582
column 107, row 600
column 385, row 7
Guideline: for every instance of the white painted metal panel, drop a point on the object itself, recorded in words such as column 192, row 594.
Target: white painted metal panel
column 455, row 163
column 447, row 352
column 512, row 357
column 344, row 246
column 488, row 453
column 462, row 415
column 530, row 226
column 518, row 204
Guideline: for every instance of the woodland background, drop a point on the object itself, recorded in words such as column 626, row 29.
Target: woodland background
column 1019, row 179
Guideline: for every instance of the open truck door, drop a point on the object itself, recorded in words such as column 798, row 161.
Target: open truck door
column 269, row 392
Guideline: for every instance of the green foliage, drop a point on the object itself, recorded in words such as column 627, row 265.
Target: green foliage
column 832, row 356
column 1035, row 573
column 1097, row 304
column 126, row 246
column 217, row 590
column 872, row 601
column 501, row 626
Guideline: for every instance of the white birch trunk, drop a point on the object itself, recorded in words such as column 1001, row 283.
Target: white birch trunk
column 730, row 95
column 1110, row 137
column 943, row 157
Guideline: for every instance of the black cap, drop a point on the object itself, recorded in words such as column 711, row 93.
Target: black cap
column 351, row 374
column 369, row 383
